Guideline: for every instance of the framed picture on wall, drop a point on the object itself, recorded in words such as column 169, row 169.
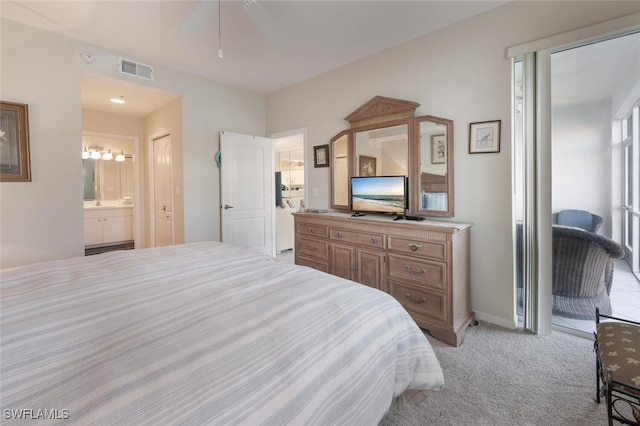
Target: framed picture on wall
column 14, row 143
column 438, row 149
column 484, row 137
column 367, row 166
column 321, row 156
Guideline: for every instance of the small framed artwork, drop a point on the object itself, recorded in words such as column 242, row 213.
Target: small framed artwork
column 321, row 156
column 14, row 143
column 438, row 149
column 484, row 137
column 367, row 166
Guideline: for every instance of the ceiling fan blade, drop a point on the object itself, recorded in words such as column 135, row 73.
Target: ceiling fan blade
column 261, row 18
column 199, row 15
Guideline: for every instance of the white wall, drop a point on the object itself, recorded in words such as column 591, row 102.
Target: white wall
column 460, row 72
column 581, row 159
column 42, row 220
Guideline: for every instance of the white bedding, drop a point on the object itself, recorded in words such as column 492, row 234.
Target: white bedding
column 202, row 333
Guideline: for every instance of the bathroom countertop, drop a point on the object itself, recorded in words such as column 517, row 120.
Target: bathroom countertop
column 116, row 204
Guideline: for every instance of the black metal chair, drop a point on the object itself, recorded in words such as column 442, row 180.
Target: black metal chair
column 617, row 346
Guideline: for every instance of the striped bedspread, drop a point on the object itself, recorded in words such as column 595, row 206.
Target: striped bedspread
column 201, row 333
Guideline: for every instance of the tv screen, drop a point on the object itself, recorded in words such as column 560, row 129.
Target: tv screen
column 379, row 194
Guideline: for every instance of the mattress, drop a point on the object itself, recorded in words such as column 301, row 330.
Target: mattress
column 202, row 333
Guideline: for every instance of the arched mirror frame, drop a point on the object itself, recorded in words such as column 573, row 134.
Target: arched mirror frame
column 415, row 179
column 382, row 112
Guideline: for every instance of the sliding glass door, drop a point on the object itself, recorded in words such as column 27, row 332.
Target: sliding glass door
column 630, row 132
column 534, row 95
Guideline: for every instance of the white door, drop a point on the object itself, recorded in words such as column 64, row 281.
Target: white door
column 247, row 191
column 162, row 183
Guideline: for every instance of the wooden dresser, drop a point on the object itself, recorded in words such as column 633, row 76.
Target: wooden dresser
column 424, row 265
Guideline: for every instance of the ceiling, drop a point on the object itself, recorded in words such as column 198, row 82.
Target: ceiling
column 267, row 44
column 271, row 44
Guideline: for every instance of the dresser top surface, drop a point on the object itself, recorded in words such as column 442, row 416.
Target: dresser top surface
column 387, row 220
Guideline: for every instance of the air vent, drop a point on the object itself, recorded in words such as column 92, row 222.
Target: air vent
column 135, row 68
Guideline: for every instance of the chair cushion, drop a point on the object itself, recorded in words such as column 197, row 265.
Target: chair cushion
column 619, row 349
column 578, row 218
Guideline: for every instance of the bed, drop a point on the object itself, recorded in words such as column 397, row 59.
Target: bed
column 202, row 333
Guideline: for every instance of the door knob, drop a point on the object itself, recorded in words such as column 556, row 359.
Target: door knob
column 227, row 206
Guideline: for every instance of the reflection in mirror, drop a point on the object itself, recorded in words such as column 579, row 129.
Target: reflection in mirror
column 435, row 172
column 339, row 149
column 382, row 151
column 89, row 179
column 106, row 180
column 109, row 176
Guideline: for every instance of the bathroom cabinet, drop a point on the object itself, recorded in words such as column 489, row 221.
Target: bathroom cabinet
column 108, row 225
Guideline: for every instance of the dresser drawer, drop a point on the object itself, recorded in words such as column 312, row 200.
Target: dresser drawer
column 434, row 250
column 421, row 302
column 425, row 272
column 313, row 230
column 312, row 247
column 360, row 238
column 320, row 266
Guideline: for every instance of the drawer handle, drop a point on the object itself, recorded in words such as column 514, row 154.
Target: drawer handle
column 313, row 248
column 411, row 271
column 311, row 230
column 339, row 235
column 418, row 302
column 414, row 246
column 373, row 240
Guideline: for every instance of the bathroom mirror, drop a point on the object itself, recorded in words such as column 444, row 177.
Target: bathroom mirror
column 107, row 179
column 432, row 190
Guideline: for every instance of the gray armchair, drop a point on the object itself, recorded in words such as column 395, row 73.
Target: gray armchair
column 582, row 272
column 578, row 218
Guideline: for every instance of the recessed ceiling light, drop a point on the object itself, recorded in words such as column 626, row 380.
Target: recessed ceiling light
column 119, row 100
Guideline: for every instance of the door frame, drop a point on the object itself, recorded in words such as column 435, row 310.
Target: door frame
column 137, row 187
column 151, row 177
column 294, row 132
column 538, row 193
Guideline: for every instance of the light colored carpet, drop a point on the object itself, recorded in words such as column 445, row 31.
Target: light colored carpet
column 507, row 377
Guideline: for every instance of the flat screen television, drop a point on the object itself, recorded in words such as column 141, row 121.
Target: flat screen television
column 379, row 194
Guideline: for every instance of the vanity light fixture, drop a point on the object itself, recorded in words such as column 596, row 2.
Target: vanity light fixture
column 99, row 152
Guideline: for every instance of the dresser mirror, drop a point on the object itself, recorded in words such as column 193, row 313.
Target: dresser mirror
column 431, row 185
column 386, row 139
column 339, row 152
column 382, row 151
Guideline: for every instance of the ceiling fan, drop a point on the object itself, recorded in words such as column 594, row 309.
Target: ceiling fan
column 205, row 9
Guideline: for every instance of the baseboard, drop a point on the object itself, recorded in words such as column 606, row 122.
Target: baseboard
column 492, row 319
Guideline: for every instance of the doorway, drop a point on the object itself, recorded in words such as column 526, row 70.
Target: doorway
column 568, row 107
column 162, row 183
column 289, row 165
column 110, row 180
